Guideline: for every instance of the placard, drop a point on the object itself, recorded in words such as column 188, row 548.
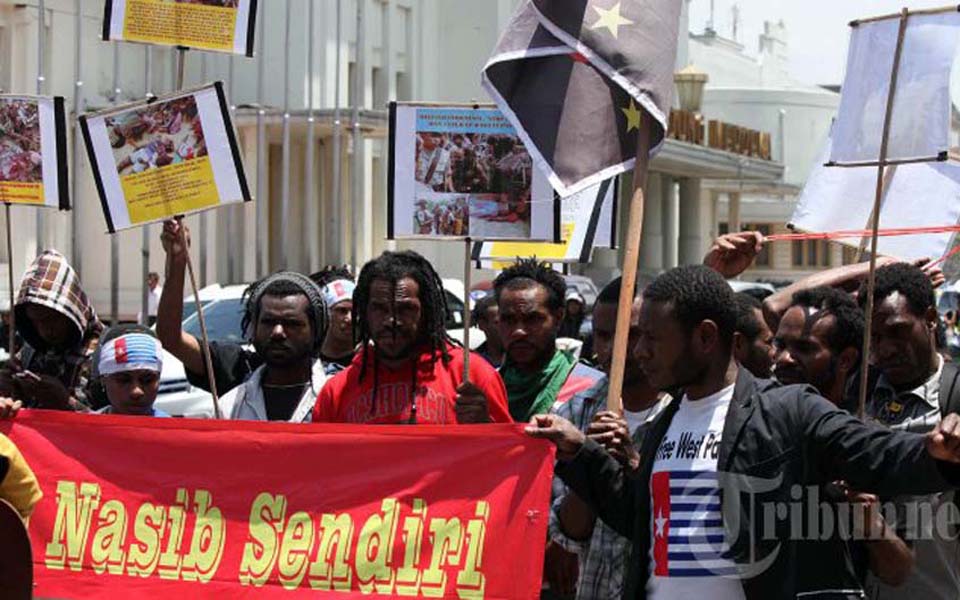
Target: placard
column 218, row 25
column 171, row 156
column 458, row 172
column 587, row 222
column 921, row 127
column 33, row 151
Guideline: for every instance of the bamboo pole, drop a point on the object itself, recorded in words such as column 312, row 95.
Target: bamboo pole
column 631, row 260
column 875, row 225
column 467, row 316
column 12, row 340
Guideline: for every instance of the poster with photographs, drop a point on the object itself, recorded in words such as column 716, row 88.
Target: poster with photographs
column 171, row 156
column 461, row 172
column 217, row 25
column 33, row 151
column 588, row 221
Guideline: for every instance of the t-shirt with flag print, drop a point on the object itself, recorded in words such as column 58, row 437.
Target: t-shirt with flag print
column 686, row 556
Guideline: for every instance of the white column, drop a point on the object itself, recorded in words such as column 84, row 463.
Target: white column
column 651, row 244
column 733, row 212
column 692, row 221
column 671, row 231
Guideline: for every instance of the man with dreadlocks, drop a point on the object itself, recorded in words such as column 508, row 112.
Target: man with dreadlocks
column 408, row 369
column 286, row 318
column 537, row 374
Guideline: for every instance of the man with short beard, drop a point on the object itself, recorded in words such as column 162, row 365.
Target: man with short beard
column 287, row 318
column 574, row 527
column 727, row 435
column 818, row 343
column 408, row 369
column 753, row 340
column 537, row 374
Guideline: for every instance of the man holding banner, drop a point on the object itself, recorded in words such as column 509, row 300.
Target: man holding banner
column 736, row 447
column 408, row 370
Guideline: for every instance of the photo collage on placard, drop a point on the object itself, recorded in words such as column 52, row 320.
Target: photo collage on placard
column 470, row 184
column 157, row 135
column 21, row 160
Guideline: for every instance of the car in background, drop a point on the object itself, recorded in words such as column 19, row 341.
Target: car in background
column 758, row 290
column 223, row 313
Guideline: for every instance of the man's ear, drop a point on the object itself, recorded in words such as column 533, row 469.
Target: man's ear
column 706, row 335
column 932, row 317
column 848, row 359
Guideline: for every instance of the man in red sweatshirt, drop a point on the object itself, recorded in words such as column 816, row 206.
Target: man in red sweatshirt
column 408, row 369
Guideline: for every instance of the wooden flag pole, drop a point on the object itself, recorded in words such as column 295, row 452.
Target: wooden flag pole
column 467, row 316
column 205, row 339
column 631, row 261
column 13, row 325
column 875, row 225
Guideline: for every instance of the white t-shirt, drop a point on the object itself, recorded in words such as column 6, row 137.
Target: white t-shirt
column 686, row 524
column 635, row 419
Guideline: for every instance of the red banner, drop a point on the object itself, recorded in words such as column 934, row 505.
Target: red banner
column 140, row 507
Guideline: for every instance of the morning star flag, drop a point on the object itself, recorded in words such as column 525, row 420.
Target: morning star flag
column 577, row 77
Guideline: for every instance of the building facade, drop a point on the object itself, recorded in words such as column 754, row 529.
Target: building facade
column 758, row 92
column 285, row 103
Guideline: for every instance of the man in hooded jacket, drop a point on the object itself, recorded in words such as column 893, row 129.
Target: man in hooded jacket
column 60, row 331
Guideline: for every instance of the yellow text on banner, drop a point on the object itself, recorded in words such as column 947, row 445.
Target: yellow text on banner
column 171, row 190
column 175, row 23
column 16, row 192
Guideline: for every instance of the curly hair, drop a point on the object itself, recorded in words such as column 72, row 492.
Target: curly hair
column 908, row 280
column 847, row 331
column 481, row 306
column 748, row 324
column 331, row 273
column 696, row 293
column 528, row 272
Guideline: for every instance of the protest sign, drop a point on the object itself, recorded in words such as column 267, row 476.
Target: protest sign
column 33, row 151
column 914, row 196
column 277, row 510
column 460, row 172
column 919, row 121
column 219, row 25
column 587, row 221
column 157, row 159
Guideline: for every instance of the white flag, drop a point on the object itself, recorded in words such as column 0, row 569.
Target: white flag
column 920, row 121
column 915, row 195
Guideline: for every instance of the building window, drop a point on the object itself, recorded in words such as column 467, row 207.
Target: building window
column 403, row 86
column 379, row 89
column 811, row 253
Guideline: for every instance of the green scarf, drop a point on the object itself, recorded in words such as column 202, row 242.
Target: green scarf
column 534, row 393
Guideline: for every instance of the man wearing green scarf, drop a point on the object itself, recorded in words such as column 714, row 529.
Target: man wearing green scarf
column 537, row 375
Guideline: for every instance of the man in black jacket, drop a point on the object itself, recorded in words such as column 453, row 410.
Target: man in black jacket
column 730, row 473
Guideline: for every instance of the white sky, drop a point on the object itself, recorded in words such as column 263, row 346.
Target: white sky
column 817, row 30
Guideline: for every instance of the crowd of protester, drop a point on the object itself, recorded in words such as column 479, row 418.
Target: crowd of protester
column 720, row 391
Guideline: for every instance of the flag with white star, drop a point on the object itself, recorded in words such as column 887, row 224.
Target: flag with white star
column 577, row 78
